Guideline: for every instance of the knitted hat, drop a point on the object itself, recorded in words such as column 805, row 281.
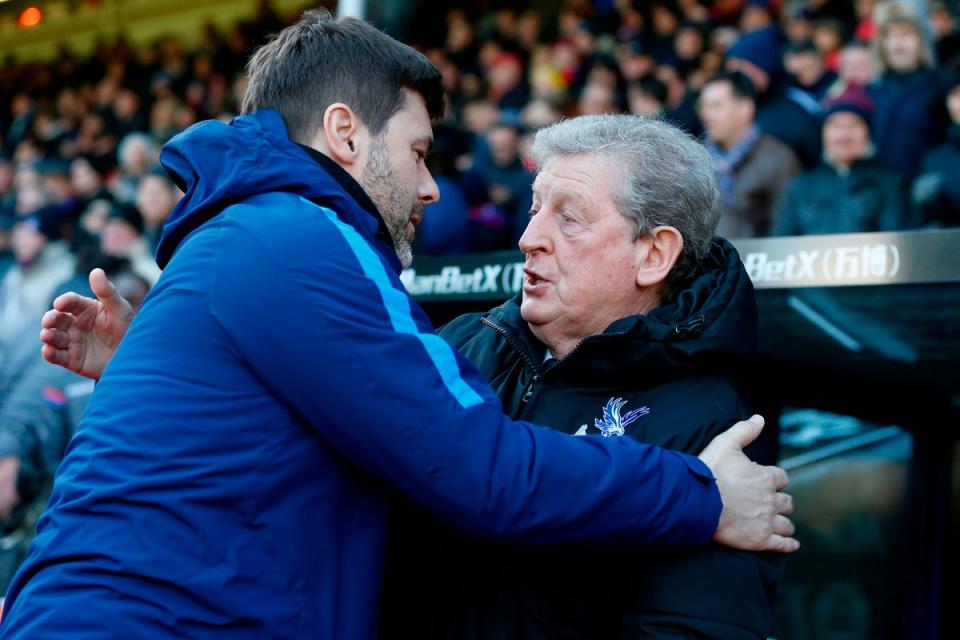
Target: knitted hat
column 760, row 48
column 853, row 100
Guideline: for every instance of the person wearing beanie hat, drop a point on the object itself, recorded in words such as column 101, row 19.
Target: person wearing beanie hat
column 122, row 237
column 935, row 194
column 786, row 113
column 850, row 191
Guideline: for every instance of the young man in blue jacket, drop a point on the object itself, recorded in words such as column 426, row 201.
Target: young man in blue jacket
column 230, row 475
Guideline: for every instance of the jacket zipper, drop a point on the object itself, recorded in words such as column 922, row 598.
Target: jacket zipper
column 528, row 391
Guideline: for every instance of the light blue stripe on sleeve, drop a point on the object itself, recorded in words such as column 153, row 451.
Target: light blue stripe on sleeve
column 398, row 309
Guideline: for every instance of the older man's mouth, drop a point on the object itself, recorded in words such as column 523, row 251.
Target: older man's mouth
column 533, row 282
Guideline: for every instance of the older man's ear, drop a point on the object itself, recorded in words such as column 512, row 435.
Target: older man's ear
column 659, row 251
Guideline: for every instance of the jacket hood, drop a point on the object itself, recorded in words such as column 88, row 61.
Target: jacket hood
column 711, row 325
column 217, row 165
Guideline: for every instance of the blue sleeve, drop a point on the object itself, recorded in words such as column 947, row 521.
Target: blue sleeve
column 334, row 336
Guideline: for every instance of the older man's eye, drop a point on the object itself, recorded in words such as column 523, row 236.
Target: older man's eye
column 533, row 212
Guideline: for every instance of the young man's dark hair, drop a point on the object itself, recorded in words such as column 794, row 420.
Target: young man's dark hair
column 740, row 85
column 322, row 60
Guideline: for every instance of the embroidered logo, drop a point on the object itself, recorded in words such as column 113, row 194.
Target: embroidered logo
column 613, row 424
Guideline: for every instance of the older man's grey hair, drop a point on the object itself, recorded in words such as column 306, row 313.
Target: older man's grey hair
column 666, row 178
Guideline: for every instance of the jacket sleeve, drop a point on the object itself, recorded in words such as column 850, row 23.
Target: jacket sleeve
column 333, row 335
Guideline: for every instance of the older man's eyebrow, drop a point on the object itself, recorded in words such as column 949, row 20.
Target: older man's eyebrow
column 575, row 199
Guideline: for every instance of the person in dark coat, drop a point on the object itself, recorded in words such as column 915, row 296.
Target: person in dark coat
column 936, row 190
column 851, row 190
column 905, row 123
column 600, row 346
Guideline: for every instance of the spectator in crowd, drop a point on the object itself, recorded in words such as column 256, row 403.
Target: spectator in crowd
column 42, row 263
column 156, row 197
column 122, row 237
column 936, row 190
column 509, row 190
column 851, row 191
column 785, row 113
column 905, row 126
column 856, row 69
column 753, row 168
column 137, row 154
column 804, row 63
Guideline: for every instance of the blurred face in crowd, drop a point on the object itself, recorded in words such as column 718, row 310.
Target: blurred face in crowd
column 953, row 104
column 84, row 178
column 901, row 47
column 582, row 256
column 27, row 242
column 395, row 174
column 95, row 216
column 643, row 103
column 596, row 99
column 29, row 199
column 754, row 18
column 688, row 45
column 480, row 115
column 117, row 236
column 941, row 20
column 503, row 141
column 806, row 66
column 725, row 116
column 846, row 138
column 856, row 66
column 155, row 200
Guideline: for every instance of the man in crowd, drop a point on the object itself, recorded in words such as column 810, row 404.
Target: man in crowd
column 753, row 168
column 232, row 468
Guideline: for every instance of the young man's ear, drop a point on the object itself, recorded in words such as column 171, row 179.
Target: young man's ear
column 663, row 248
column 340, row 135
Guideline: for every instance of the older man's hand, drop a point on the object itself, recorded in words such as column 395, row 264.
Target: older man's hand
column 755, row 510
column 80, row 333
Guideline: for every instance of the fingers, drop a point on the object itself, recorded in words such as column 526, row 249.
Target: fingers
column 56, row 320
column 782, row 526
column 55, row 356
column 783, row 503
column 73, row 303
column 102, row 287
column 780, row 477
column 780, row 544
column 744, row 432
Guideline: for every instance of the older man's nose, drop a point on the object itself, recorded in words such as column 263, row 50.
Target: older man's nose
column 534, row 237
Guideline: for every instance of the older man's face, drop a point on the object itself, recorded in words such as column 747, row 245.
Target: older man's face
column 582, row 258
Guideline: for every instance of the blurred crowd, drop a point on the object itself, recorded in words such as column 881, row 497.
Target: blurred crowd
column 822, row 116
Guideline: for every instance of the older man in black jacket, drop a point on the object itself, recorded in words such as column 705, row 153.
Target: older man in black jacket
column 631, row 315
